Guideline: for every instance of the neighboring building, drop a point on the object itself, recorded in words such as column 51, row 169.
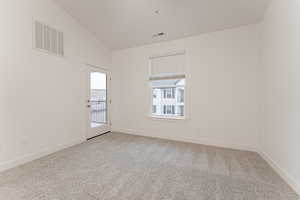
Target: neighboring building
column 98, row 106
column 98, row 95
column 168, row 98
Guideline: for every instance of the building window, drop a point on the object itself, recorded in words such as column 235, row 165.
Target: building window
column 180, row 111
column 169, row 93
column 168, row 109
column 154, row 109
column 155, row 95
column 167, row 83
column 180, row 96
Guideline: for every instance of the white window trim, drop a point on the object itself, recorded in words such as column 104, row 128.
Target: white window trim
column 183, row 76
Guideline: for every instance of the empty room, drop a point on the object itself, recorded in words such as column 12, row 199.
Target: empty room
column 150, row 100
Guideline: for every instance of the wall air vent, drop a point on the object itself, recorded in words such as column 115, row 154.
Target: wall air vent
column 48, row 39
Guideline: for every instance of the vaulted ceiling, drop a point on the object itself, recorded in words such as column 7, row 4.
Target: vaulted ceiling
column 127, row 23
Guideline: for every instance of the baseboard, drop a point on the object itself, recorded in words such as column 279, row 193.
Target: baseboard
column 283, row 173
column 30, row 157
column 187, row 139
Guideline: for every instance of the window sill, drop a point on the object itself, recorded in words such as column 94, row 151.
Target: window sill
column 167, row 118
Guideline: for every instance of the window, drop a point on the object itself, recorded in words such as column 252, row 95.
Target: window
column 167, row 83
column 168, row 100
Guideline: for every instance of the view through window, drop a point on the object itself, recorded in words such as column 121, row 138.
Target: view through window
column 168, row 97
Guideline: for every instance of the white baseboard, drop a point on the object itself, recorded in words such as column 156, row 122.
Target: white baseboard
column 30, row 157
column 203, row 141
column 283, row 173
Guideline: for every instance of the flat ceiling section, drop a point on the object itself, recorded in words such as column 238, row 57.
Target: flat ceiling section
column 128, row 23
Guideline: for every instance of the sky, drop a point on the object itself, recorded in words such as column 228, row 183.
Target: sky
column 98, row 80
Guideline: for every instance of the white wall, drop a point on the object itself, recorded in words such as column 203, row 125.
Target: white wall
column 281, row 60
column 42, row 97
column 223, row 89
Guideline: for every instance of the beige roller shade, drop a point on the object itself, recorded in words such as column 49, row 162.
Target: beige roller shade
column 171, row 66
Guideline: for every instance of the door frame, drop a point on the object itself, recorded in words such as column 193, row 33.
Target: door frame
column 107, row 128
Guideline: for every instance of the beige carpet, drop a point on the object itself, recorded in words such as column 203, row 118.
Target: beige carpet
column 123, row 167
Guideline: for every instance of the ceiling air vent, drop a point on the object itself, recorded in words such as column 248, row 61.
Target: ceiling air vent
column 48, row 39
column 158, row 34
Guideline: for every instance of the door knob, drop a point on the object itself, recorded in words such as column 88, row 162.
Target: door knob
column 88, row 106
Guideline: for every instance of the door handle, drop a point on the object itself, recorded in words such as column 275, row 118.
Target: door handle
column 88, row 106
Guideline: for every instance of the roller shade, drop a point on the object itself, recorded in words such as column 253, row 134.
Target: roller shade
column 167, row 67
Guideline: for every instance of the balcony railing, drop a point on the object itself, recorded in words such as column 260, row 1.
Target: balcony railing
column 98, row 111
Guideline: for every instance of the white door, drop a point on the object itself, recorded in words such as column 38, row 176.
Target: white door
column 98, row 102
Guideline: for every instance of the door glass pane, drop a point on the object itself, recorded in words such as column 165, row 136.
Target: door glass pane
column 98, row 99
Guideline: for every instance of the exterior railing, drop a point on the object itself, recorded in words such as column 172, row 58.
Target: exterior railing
column 98, row 111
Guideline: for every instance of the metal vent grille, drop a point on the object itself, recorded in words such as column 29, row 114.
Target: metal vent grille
column 48, row 39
